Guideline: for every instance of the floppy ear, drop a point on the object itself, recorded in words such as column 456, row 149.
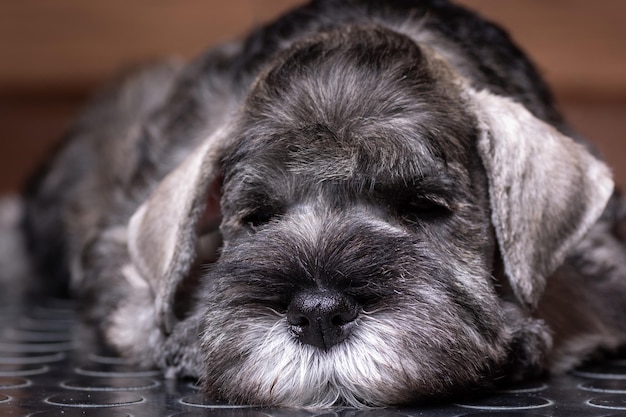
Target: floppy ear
column 163, row 232
column 546, row 190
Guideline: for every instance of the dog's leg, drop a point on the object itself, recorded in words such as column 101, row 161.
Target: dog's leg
column 77, row 192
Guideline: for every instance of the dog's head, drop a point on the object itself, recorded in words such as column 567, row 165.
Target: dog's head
column 365, row 195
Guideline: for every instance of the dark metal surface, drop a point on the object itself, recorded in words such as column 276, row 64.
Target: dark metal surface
column 43, row 373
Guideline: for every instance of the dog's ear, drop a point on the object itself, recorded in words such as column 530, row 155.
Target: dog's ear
column 546, row 190
column 163, row 232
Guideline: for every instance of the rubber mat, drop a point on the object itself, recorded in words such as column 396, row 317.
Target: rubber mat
column 43, row 372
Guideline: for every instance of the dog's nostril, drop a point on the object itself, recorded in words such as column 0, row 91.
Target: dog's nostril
column 321, row 318
column 301, row 321
column 343, row 318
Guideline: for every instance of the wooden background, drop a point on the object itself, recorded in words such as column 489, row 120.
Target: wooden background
column 54, row 52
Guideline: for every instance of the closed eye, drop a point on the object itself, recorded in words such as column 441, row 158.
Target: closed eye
column 430, row 209
column 259, row 217
column 418, row 200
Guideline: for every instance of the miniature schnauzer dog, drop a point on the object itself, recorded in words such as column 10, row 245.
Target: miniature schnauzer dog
column 363, row 203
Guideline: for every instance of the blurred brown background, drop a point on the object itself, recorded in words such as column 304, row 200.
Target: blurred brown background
column 54, row 52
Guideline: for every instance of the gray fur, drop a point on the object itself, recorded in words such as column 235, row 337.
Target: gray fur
column 404, row 156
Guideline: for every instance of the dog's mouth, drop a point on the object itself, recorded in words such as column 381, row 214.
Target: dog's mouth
column 325, row 353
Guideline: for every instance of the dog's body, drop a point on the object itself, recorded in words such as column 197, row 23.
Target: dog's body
column 398, row 208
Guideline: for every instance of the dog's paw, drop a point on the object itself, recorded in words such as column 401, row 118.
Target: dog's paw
column 528, row 351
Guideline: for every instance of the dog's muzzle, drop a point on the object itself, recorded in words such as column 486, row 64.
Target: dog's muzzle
column 322, row 318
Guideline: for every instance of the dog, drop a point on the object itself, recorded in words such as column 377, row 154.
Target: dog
column 362, row 203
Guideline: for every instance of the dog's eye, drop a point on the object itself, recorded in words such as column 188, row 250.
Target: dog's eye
column 259, row 217
column 425, row 209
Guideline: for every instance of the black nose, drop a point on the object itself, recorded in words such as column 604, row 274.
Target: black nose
column 322, row 318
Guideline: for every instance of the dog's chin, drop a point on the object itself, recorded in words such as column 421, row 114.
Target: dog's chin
column 383, row 362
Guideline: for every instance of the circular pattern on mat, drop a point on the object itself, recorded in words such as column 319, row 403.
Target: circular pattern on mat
column 607, row 386
column 602, row 371
column 611, row 402
column 13, row 383
column 23, row 370
column 68, row 412
column 199, row 400
column 109, row 384
column 110, row 371
column 507, row 402
column 95, row 399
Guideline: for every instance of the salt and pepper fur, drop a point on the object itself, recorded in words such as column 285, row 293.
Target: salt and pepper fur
column 404, row 153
